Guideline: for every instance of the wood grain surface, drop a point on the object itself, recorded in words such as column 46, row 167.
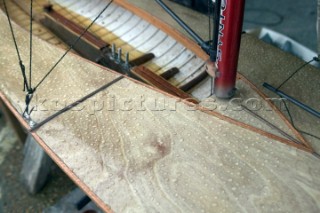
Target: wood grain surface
column 20, row 17
column 172, row 49
column 248, row 96
column 134, row 149
column 128, row 29
column 180, row 161
column 118, row 26
column 261, row 62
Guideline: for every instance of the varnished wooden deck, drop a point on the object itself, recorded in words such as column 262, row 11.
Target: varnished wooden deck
column 129, row 31
column 148, row 160
column 178, row 159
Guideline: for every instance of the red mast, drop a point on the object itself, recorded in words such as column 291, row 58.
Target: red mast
column 230, row 29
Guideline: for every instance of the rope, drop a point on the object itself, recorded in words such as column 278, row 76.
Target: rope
column 72, row 46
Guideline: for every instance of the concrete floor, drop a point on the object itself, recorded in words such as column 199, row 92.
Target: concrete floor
column 296, row 20
column 13, row 197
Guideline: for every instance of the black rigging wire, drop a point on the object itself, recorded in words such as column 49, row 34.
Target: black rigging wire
column 72, row 46
column 74, row 104
column 293, row 124
column 209, row 23
column 11, row 29
column 296, row 71
column 209, row 19
column 22, row 67
column 210, row 11
column 283, row 133
column 31, row 32
column 285, row 104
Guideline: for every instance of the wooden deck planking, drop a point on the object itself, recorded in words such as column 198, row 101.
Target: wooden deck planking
column 163, row 58
column 180, row 61
column 181, row 161
column 122, row 29
column 122, row 22
column 194, row 66
column 135, row 32
column 90, row 15
column 165, row 46
column 168, row 57
column 70, row 3
column 182, row 79
column 146, row 37
column 126, row 40
column 269, row 62
column 233, row 109
column 21, row 17
column 173, row 160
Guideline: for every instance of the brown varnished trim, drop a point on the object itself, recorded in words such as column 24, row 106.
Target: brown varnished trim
column 200, row 53
column 257, row 130
column 72, row 175
column 279, row 113
column 87, row 190
column 153, row 79
column 190, row 44
column 205, row 110
column 196, row 107
column 231, row 120
column 56, row 159
column 84, row 187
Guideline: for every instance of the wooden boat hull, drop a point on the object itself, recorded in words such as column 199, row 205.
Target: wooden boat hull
column 154, row 157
